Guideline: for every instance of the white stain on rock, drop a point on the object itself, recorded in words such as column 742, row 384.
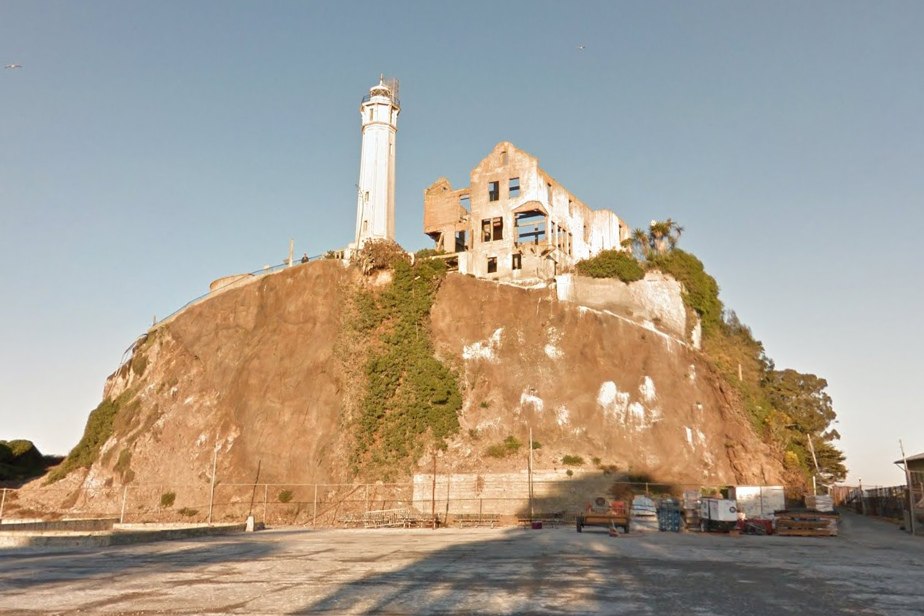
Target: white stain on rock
column 692, row 373
column 690, row 437
column 647, row 390
column 562, row 415
column 529, row 399
column 552, row 349
column 614, row 403
column 485, row 349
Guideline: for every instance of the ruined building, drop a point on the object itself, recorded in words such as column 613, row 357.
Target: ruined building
column 375, row 194
column 514, row 221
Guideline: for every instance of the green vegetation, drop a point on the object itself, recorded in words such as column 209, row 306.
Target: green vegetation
column 611, row 264
column 535, row 445
column 572, row 461
column 570, row 473
column 186, row 511
column 285, row 496
column 661, row 238
column 167, row 499
column 425, row 253
column 596, row 461
column 20, row 460
column 510, row 446
column 411, row 400
column 379, row 255
column 123, row 466
column 95, row 434
column 139, row 363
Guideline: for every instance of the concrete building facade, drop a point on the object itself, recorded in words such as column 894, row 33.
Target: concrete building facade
column 375, row 206
column 514, row 221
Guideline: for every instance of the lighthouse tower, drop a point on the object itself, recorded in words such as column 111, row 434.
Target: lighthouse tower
column 375, row 208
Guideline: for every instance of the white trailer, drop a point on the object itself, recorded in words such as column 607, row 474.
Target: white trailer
column 717, row 514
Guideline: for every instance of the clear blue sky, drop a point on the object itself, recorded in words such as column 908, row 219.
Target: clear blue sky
column 149, row 148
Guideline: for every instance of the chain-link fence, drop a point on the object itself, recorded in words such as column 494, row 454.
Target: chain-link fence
column 454, row 499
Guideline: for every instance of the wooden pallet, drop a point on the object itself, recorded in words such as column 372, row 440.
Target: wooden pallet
column 806, row 532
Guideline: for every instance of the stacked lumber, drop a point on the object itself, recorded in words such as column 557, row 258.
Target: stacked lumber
column 806, row 524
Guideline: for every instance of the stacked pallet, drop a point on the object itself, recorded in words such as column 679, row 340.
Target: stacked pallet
column 806, row 524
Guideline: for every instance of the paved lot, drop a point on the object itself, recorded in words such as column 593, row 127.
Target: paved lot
column 872, row 568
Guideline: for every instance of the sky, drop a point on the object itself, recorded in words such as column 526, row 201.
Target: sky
column 147, row 149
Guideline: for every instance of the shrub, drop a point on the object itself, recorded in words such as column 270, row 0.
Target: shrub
column 572, row 461
column 167, row 499
column 485, row 404
column 510, row 446
column 123, row 465
column 139, row 364
column 285, row 496
column 378, row 255
column 95, row 434
column 611, row 264
column 427, row 252
column 570, row 473
column 186, row 511
column 595, row 460
column 536, row 445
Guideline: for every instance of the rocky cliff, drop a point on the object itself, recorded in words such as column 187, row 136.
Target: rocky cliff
column 265, row 374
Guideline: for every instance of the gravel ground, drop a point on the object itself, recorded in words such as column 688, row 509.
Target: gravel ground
column 871, row 568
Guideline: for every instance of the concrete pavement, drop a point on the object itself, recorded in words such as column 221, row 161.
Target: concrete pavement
column 872, row 568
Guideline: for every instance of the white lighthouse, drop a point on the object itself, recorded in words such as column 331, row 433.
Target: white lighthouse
column 375, row 208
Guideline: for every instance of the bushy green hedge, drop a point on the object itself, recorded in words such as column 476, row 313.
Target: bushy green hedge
column 611, row 264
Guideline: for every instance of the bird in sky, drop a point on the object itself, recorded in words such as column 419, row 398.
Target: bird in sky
column 13, row 66
column 580, row 48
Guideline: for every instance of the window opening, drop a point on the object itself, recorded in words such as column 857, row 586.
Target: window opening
column 514, row 187
column 492, row 265
column 497, row 225
column 517, row 262
column 548, row 190
column 493, row 191
column 504, row 157
column 486, row 230
column 530, row 227
column 466, row 202
column 461, row 244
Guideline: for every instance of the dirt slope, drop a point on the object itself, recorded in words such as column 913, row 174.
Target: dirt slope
column 259, row 370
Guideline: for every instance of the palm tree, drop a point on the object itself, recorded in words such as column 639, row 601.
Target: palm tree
column 664, row 235
column 640, row 243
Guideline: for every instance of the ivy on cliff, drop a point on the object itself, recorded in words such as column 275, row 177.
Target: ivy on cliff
column 411, row 400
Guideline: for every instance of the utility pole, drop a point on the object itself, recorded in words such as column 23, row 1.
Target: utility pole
column 815, row 460
column 214, row 466
column 291, row 251
column 530, row 474
column 433, row 493
column 908, row 486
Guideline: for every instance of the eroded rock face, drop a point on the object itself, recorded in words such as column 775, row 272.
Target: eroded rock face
column 257, row 372
column 593, row 384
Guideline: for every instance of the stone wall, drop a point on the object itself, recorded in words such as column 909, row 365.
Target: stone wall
column 508, row 493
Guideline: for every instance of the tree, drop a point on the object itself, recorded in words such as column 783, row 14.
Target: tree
column 803, row 399
column 662, row 237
